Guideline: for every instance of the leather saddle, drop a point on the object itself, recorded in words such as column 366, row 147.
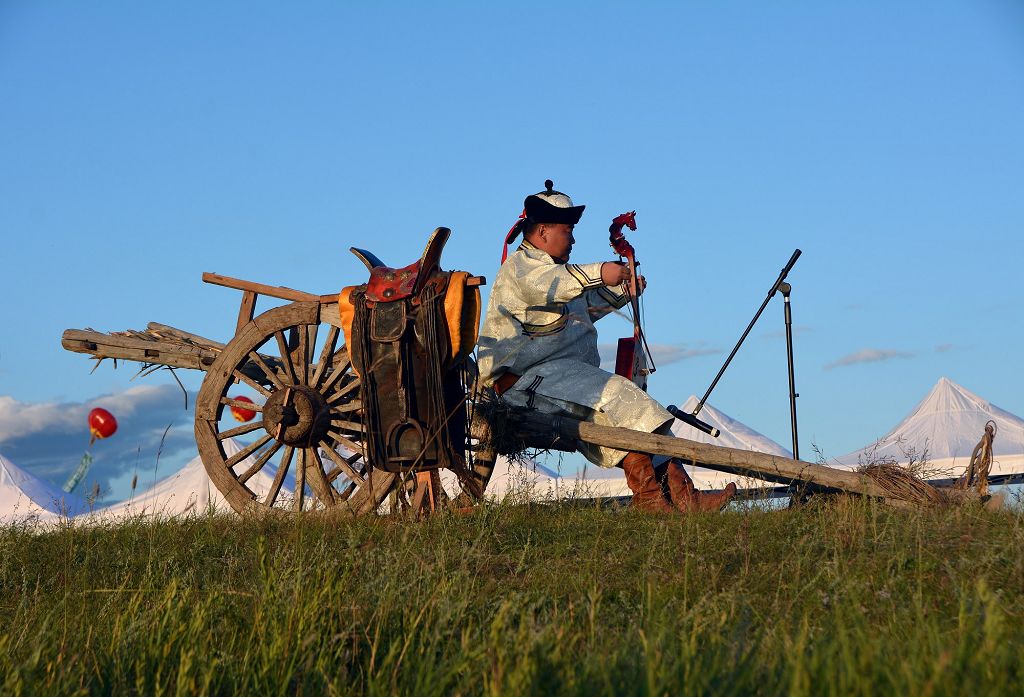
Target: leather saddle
column 398, row 327
column 387, row 284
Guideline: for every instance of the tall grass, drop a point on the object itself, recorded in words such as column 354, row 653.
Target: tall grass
column 850, row 598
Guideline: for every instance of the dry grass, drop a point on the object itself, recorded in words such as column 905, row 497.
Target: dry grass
column 903, row 484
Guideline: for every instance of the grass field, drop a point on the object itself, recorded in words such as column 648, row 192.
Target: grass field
column 848, row 599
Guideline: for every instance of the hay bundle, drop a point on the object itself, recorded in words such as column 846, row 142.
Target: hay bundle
column 903, row 484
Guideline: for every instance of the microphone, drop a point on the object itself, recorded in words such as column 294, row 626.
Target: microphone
column 692, row 420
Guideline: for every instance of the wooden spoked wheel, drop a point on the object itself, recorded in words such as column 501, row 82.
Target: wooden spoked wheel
column 303, row 450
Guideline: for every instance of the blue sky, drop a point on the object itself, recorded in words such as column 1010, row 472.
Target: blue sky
column 144, row 143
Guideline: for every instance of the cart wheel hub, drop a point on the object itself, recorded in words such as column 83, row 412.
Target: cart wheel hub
column 296, row 415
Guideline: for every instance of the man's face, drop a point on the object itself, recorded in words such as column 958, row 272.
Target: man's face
column 556, row 239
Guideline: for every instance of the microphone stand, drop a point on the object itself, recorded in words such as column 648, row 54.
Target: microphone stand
column 777, row 286
column 786, row 289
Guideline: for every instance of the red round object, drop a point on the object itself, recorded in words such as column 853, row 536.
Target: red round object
column 240, row 413
column 102, row 423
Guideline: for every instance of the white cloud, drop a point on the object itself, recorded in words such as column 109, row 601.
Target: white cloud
column 868, row 355
column 48, row 439
column 21, row 419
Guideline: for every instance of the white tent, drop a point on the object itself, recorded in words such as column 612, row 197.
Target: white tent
column 525, row 479
column 188, row 491
column 24, row 497
column 596, row 482
column 945, row 426
column 734, row 434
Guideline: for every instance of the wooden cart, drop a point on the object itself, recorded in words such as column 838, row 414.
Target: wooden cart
column 294, row 355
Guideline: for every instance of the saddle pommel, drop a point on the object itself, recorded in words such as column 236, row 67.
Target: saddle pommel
column 387, row 284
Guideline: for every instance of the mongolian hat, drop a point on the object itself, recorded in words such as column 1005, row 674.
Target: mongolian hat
column 548, row 206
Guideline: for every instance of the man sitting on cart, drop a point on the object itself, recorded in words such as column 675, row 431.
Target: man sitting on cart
column 538, row 348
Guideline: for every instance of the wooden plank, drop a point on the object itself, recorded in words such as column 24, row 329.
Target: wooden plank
column 312, row 333
column 261, row 288
column 380, row 483
column 248, row 450
column 422, row 487
column 344, row 466
column 169, row 331
column 259, row 464
column 300, row 357
column 330, row 345
column 344, row 441
column 143, row 349
column 300, row 482
column 288, row 316
column 341, row 392
column 743, row 463
column 100, row 345
column 286, row 356
column 241, row 430
column 263, row 367
column 242, row 377
column 137, row 355
column 246, row 310
column 133, row 342
column 317, row 478
column 347, row 425
column 341, row 369
column 329, row 312
column 282, row 471
column 251, row 406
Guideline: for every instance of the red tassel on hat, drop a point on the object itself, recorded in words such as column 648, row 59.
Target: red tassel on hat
column 510, row 236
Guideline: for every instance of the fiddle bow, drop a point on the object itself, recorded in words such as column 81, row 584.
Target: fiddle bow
column 633, row 359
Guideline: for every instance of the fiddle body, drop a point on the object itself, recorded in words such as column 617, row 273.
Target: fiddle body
column 631, row 361
column 632, row 357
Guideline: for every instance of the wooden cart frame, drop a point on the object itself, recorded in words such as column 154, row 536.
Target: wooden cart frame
column 294, row 357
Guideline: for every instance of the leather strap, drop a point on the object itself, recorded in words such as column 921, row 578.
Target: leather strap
column 505, row 382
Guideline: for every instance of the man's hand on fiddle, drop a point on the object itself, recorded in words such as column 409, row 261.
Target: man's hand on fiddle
column 615, row 273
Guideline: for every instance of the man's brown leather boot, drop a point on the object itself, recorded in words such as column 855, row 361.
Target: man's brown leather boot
column 644, row 485
column 716, row 502
column 686, row 498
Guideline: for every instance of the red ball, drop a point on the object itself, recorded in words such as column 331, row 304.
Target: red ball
column 240, row 413
column 102, row 423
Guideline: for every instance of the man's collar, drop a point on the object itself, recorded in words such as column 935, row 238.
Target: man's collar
column 525, row 244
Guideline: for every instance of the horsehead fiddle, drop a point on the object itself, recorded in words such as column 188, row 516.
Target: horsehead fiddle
column 633, row 359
